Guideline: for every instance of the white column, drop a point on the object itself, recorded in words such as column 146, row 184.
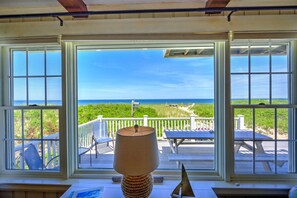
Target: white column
column 100, row 117
column 240, row 122
column 145, row 118
column 192, row 121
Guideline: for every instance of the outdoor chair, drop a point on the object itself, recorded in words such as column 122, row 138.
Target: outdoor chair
column 33, row 159
column 101, row 135
column 83, row 150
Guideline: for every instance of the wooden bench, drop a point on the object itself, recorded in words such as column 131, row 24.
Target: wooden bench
column 265, row 157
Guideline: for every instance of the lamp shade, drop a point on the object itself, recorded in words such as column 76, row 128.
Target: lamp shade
column 136, row 153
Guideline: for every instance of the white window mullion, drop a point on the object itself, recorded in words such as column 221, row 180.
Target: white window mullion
column 45, row 78
column 27, row 79
column 23, row 137
column 275, row 139
column 270, row 74
column 249, row 74
column 41, row 138
column 254, row 150
column 292, row 60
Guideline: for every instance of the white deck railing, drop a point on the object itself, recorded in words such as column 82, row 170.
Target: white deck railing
column 85, row 131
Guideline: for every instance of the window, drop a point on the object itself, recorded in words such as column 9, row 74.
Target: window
column 33, row 113
column 260, row 73
column 166, row 88
column 264, row 137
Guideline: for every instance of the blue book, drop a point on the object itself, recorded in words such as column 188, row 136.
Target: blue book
column 87, row 193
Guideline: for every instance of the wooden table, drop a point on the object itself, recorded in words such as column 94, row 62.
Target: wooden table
column 178, row 137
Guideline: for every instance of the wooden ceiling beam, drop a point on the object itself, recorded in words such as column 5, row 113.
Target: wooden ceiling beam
column 74, row 6
column 216, row 4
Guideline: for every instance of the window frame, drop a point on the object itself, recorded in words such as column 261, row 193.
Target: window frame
column 7, row 104
column 196, row 174
column 292, row 99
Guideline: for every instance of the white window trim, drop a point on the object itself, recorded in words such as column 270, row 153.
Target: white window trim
column 269, row 177
column 5, row 100
column 171, row 174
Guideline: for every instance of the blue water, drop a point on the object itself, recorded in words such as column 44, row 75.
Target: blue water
column 148, row 101
column 124, row 101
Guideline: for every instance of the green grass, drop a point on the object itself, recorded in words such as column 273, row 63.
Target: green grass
column 264, row 117
column 204, row 110
column 163, row 110
column 87, row 113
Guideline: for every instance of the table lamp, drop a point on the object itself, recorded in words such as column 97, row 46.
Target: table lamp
column 136, row 155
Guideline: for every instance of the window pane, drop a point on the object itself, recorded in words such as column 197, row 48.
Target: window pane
column 259, row 89
column 243, row 162
column 16, row 162
column 54, row 91
column 265, row 157
column 19, row 63
column 260, row 58
column 20, row 91
column 265, row 123
column 35, row 63
column 239, row 59
column 280, row 89
column 53, row 63
column 169, row 85
column 279, row 58
column 50, row 123
column 243, row 119
column 283, row 123
column 36, row 91
column 283, row 157
column 51, row 156
column 239, row 89
column 17, row 123
column 32, row 124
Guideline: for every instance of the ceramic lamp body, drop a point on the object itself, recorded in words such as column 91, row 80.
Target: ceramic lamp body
column 137, row 186
column 136, row 156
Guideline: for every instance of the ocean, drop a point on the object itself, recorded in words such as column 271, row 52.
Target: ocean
column 123, row 101
column 148, row 101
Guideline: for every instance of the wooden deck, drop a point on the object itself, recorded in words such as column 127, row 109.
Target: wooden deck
column 105, row 159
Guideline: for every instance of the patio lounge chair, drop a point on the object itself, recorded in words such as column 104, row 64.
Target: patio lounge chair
column 33, row 159
column 101, row 135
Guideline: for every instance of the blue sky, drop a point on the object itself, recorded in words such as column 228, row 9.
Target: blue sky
column 145, row 74
column 36, row 69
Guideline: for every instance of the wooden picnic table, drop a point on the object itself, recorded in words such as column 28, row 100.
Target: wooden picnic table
column 178, row 137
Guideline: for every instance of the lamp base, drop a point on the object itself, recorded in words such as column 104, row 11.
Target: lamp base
column 137, row 186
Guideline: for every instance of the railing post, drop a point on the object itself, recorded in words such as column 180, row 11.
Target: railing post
column 145, row 123
column 100, row 117
column 240, row 122
column 192, row 121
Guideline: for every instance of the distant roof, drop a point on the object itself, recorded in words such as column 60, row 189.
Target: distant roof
column 184, row 53
column 276, row 49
